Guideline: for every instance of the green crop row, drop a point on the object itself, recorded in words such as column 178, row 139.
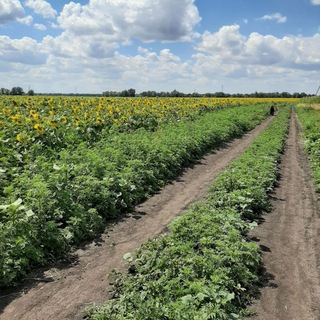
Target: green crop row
column 310, row 120
column 50, row 204
column 204, row 268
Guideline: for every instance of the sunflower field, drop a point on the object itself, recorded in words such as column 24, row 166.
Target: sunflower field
column 68, row 164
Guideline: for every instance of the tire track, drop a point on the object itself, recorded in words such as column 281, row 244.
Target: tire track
column 289, row 239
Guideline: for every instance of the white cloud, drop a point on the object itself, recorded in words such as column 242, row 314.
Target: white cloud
column 227, row 41
column 227, row 52
column 164, row 20
column 98, row 29
column 26, row 20
column 85, row 20
column 275, row 16
column 25, row 51
column 10, row 10
column 85, row 46
column 315, row 2
column 42, row 8
column 40, row 27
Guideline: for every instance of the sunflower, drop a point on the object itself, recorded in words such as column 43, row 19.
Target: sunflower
column 64, row 119
column 54, row 124
column 99, row 121
column 19, row 137
column 34, row 115
column 39, row 128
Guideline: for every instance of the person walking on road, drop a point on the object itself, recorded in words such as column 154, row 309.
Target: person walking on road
column 272, row 111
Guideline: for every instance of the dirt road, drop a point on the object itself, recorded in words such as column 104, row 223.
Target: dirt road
column 84, row 281
column 290, row 241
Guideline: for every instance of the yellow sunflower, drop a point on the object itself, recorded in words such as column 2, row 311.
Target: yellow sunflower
column 39, row 128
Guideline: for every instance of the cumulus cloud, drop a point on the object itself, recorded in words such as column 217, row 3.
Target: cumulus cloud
column 86, row 46
column 26, row 20
column 98, row 29
column 275, row 16
column 164, row 20
column 315, row 2
column 23, row 51
column 42, row 8
column 228, row 52
column 40, row 27
column 164, row 66
column 10, row 10
column 227, row 41
column 85, row 20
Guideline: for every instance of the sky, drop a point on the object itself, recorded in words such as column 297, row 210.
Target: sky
column 92, row 46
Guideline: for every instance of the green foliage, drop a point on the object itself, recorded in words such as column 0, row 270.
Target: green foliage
column 310, row 120
column 74, row 192
column 18, row 240
column 204, row 268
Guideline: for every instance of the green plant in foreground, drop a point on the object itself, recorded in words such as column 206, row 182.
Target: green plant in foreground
column 310, row 119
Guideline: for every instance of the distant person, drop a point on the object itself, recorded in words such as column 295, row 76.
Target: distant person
column 272, row 111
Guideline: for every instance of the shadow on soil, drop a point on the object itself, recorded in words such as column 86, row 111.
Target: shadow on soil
column 266, row 279
column 33, row 279
column 41, row 275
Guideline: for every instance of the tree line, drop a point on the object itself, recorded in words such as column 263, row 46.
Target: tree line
column 15, row 91
column 221, row 94
column 175, row 93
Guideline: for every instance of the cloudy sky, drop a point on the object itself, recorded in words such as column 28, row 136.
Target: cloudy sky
column 91, row 46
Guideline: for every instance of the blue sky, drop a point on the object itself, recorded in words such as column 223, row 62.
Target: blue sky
column 188, row 45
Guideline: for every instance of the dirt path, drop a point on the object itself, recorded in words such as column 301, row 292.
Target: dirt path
column 290, row 241
column 84, row 281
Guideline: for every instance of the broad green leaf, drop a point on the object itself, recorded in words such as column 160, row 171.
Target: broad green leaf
column 29, row 213
column 128, row 257
column 56, row 167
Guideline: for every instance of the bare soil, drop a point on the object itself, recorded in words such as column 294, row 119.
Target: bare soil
column 290, row 244
column 289, row 239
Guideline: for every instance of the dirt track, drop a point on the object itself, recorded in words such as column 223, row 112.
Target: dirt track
column 290, row 241
column 84, row 280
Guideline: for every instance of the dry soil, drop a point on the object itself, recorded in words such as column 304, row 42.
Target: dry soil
column 289, row 238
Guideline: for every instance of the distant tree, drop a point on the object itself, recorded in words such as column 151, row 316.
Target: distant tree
column 149, row 94
column 131, row 92
column 220, row 94
column 303, row 95
column 285, row 95
column 17, row 91
column 124, row 93
column 4, row 91
column 30, row 93
column 175, row 93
